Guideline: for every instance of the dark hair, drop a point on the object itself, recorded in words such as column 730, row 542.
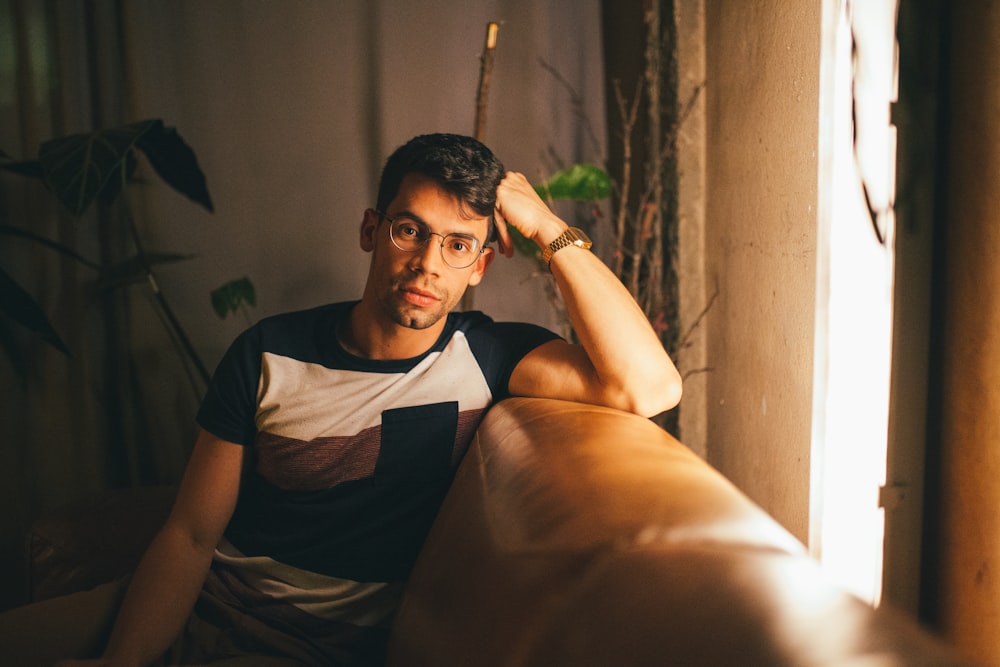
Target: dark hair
column 461, row 165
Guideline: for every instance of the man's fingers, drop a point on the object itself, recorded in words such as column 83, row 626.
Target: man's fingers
column 504, row 240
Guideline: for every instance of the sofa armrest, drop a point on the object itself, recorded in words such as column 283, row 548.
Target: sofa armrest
column 84, row 544
column 575, row 534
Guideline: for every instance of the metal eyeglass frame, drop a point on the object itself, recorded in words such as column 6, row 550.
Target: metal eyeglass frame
column 477, row 247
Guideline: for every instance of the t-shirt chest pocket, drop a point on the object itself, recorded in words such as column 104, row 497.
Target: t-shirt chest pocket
column 418, row 441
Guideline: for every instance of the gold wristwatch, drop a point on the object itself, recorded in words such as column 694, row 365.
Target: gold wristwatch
column 572, row 236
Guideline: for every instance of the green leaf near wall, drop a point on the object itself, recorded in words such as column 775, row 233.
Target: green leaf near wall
column 228, row 298
column 581, row 182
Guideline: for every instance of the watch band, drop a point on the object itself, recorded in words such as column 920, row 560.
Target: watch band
column 572, row 236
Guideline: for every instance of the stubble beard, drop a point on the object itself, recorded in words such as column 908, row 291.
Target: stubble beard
column 411, row 316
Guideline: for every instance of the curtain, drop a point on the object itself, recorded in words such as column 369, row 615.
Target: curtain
column 71, row 421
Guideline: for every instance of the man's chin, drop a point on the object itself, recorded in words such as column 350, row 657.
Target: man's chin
column 418, row 320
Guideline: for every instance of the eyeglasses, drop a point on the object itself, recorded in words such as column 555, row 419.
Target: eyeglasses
column 459, row 251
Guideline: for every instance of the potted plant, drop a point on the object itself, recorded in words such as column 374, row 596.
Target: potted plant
column 97, row 167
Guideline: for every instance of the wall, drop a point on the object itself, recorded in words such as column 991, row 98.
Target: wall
column 694, row 292
column 760, row 247
column 968, row 544
column 293, row 107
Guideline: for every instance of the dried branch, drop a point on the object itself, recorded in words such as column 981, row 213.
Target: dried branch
column 685, row 340
column 485, row 78
column 577, row 104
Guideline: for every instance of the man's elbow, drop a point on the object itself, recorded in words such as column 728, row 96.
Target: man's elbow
column 656, row 397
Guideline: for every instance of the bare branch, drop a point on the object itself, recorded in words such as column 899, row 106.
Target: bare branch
column 577, row 104
column 686, row 338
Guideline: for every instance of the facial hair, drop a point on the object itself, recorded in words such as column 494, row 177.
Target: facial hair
column 410, row 315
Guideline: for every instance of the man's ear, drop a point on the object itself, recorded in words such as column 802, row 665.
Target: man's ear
column 369, row 228
column 479, row 268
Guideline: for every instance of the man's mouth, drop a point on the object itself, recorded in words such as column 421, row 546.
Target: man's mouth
column 419, row 297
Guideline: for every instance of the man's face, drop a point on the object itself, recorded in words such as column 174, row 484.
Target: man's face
column 417, row 289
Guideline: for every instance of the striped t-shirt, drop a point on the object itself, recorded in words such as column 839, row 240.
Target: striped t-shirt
column 347, row 460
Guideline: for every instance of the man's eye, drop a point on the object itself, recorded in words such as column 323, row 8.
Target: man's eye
column 459, row 245
column 409, row 229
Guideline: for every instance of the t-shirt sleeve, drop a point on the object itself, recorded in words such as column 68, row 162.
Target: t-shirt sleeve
column 228, row 410
column 500, row 346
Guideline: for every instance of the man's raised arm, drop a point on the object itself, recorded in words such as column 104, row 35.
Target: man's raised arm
column 620, row 362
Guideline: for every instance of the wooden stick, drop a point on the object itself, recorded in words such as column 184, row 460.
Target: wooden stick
column 482, row 97
column 485, row 76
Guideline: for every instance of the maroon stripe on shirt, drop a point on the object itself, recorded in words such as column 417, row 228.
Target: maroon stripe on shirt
column 311, row 465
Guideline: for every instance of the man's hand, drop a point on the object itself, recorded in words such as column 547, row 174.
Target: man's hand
column 520, row 206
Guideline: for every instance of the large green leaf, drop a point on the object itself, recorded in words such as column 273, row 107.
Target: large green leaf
column 175, row 162
column 584, row 182
column 80, row 167
column 228, row 298
column 23, row 309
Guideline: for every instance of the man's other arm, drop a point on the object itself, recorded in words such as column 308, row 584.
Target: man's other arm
column 171, row 573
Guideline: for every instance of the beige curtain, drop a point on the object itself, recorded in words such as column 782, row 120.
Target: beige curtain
column 71, row 424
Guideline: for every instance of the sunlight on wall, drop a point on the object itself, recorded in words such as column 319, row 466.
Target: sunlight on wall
column 854, row 297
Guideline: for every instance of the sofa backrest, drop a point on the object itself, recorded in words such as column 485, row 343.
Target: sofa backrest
column 579, row 535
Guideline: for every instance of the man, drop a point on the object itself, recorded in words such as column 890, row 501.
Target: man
column 329, row 437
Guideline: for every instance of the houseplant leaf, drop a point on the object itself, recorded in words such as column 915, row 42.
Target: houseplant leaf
column 23, row 309
column 13, row 351
column 580, row 182
column 78, row 167
column 175, row 162
column 228, row 298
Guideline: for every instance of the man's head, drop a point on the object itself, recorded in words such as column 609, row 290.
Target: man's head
column 442, row 185
column 461, row 165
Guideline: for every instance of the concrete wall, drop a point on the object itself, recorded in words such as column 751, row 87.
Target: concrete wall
column 969, row 587
column 762, row 97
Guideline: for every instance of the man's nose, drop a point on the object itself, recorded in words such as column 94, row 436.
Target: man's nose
column 429, row 258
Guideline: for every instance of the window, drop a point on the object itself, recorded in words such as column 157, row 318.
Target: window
column 854, row 291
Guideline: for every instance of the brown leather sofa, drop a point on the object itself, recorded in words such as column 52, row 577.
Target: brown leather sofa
column 578, row 535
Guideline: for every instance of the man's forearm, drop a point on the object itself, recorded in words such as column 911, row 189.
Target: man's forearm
column 625, row 351
column 159, row 599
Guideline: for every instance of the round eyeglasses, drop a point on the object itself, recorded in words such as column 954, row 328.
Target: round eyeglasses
column 459, row 251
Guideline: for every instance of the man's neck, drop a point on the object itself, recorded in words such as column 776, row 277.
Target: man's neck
column 365, row 336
